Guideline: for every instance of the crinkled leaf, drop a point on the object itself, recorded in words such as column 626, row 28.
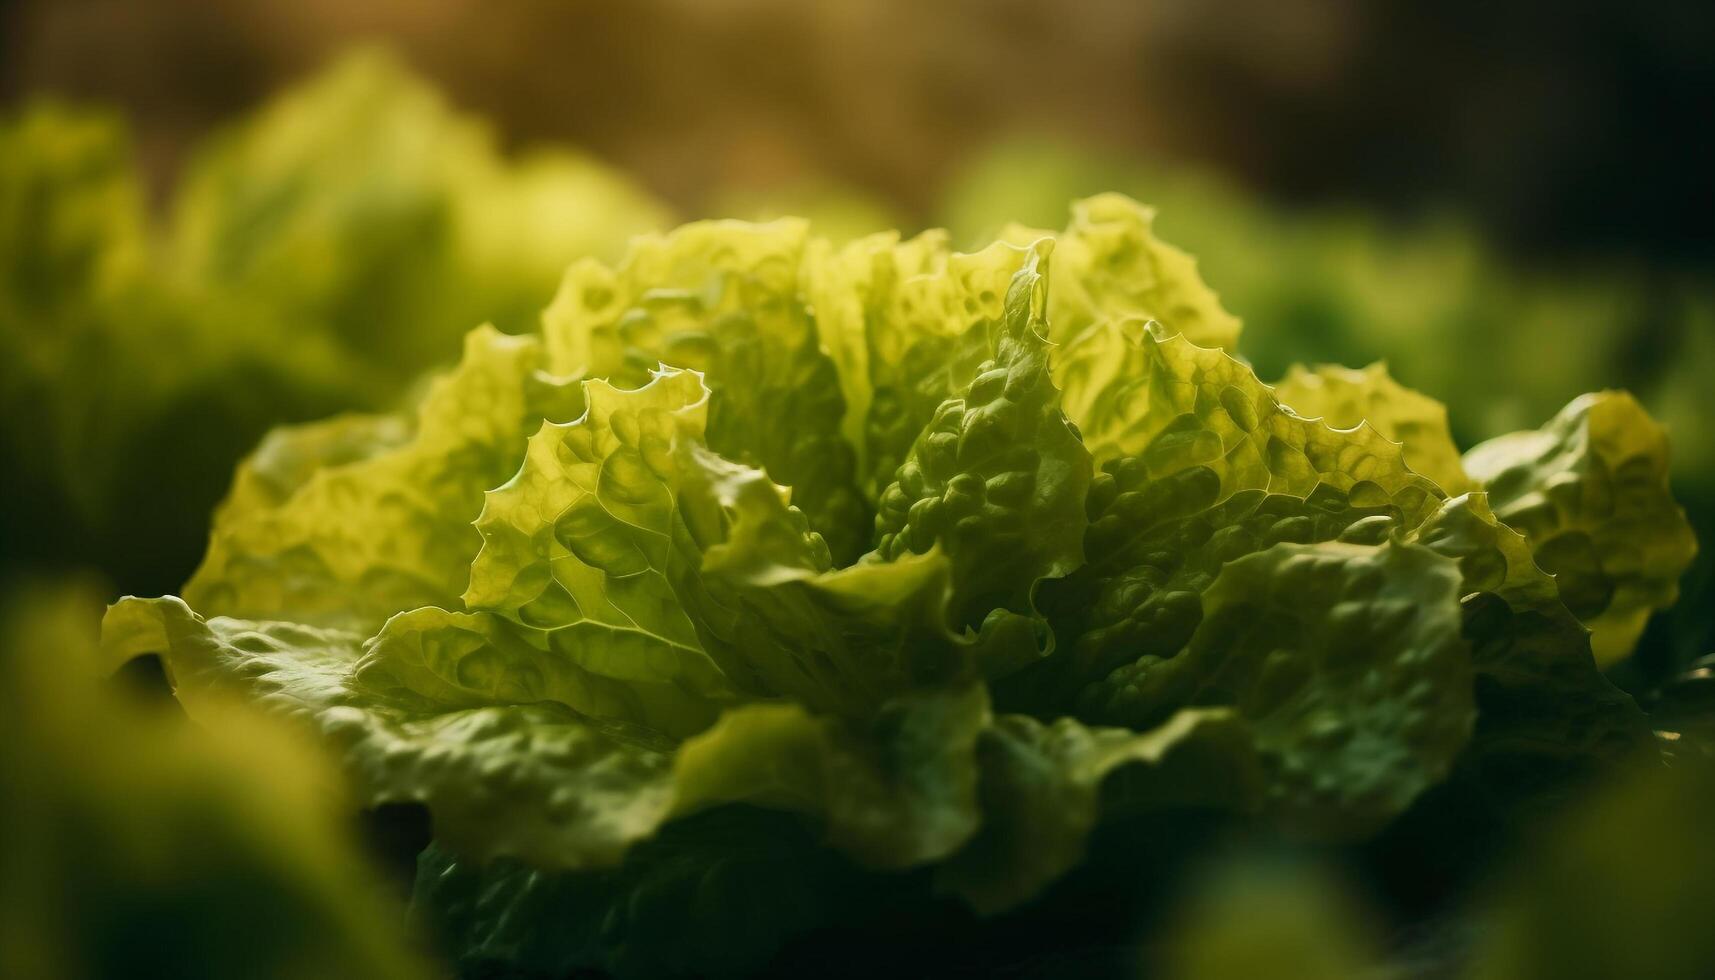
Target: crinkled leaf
column 535, row 780
column 449, row 710
column 926, row 319
column 998, row 477
column 644, row 557
column 1346, row 661
column 588, row 543
column 1109, row 265
column 1590, row 492
column 1343, row 398
column 856, row 290
column 842, row 641
column 724, row 298
column 360, row 530
column 906, row 322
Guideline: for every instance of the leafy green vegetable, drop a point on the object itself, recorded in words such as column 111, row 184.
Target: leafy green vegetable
column 853, row 539
column 1343, row 398
column 1112, row 265
column 997, row 476
column 336, row 527
column 1589, row 491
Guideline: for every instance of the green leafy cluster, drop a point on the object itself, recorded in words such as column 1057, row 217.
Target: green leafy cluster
column 937, row 563
column 1342, row 284
column 316, row 257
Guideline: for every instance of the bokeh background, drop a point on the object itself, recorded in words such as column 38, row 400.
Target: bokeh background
column 1563, row 130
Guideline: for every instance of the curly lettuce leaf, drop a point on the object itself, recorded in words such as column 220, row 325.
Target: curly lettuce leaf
column 483, row 734
column 354, row 533
column 525, row 777
column 928, row 319
column 1201, row 465
column 1346, row 662
column 630, row 584
column 855, row 291
column 1343, row 397
column 1589, row 490
column 724, row 298
column 841, row 641
column 587, row 542
column 1109, row 265
column 907, row 321
column 644, row 557
column 998, row 477
column 895, row 790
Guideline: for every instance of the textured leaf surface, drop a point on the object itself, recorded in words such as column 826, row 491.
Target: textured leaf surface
column 1202, row 466
column 895, row 790
column 1109, row 265
column 1590, row 492
column 535, row 780
column 587, row 542
column 1347, row 662
column 724, row 298
column 1343, row 398
column 998, row 477
column 356, row 532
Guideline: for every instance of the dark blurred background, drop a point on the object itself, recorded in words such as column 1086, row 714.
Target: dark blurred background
column 1567, row 129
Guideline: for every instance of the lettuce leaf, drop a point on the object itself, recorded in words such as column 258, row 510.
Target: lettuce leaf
column 1201, row 465
column 998, row 477
column 1111, row 266
column 1344, row 398
column 1589, row 490
column 857, row 540
column 349, row 538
